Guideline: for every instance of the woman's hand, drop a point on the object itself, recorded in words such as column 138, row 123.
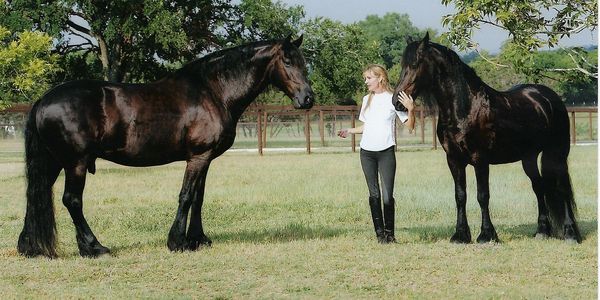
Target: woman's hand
column 343, row 133
column 406, row 100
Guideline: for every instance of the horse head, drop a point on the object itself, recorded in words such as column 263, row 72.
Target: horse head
column 288, row 73
column 416, row 70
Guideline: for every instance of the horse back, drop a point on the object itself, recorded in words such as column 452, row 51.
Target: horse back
column 131, row 124
column 526, row 119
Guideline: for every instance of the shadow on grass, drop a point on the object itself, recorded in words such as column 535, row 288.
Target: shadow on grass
column 298, row 232
column 291, row 232
column 505, row 232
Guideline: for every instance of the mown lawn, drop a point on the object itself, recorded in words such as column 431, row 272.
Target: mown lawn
column 298, row 226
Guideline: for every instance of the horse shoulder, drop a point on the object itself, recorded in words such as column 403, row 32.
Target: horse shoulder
column 208, row 124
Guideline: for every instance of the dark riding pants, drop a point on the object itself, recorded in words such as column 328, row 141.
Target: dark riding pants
column 384, row 163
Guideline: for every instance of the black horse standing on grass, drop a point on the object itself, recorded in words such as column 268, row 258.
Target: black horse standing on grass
column 189, row 115
column 481, row 126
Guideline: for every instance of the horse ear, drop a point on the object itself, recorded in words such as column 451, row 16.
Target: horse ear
column 298, row 41
column 426, row 38
column 423, row 45
column 288, row 39
column 409, row 39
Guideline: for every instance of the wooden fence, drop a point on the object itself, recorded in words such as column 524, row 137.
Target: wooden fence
column 258, row 118
column 425, row 118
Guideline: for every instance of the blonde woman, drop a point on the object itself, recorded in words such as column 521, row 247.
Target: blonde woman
column 377, row 156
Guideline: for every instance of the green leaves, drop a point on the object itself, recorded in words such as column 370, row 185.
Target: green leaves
column 25, row 66
column 336, row 54
column 530, row 25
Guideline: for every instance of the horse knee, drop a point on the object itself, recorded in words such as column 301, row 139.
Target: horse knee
column 72, row 201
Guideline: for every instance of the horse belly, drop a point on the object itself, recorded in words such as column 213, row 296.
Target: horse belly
column 142, row 143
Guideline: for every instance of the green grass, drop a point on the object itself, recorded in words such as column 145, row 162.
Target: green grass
column 298, row 226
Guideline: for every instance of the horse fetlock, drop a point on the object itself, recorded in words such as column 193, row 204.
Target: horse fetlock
column 488, row 235
column 28, row 248
column 544, row 229
column 461, row 236
column 193, row 243
column 93, row 251
column 176, row 241
column 570, row 234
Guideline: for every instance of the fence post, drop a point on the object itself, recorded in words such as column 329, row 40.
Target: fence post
column 591, row 126
column 321, row 128
column 433, row 124
column 259, row 130
column 573, row 129
column 353, row 122
column 264, row 134
column 307, row 130
column 422, row 122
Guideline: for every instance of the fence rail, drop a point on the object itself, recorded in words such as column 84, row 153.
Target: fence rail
column 271, row 121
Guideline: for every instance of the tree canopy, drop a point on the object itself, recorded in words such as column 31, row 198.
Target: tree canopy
column 531, row 25
column 140, row 41
column 132, row 40
column 26, row 65
column 336, row 54
column 390, row 31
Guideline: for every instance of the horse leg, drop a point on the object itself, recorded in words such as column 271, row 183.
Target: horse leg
column 195, row 168
column 73, row 201
column 195, row 234
column 544, row 229
column 488, row 233
column 463, row 232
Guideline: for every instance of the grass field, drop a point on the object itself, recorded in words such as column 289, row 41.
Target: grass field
column 298, row 226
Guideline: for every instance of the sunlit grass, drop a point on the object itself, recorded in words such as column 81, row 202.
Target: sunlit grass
column 298, row 226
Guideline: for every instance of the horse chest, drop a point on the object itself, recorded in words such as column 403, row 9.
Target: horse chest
column 470, row 146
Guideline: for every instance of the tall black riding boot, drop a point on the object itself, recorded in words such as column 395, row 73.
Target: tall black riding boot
column 389, row 213
column 375, row 205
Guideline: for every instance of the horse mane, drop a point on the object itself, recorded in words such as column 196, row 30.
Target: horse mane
column 457, row 70
column 230, row 59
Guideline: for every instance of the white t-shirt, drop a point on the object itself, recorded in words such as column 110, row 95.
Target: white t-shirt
column 379, row 121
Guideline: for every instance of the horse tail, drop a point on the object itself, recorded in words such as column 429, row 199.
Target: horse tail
column 555, row 173
column 39, row 231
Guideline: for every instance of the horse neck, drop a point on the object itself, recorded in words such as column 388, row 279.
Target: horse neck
column 455, row 93
column 241, row 88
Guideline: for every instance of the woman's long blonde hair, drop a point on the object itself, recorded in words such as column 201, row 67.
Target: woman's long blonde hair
column 379, row 72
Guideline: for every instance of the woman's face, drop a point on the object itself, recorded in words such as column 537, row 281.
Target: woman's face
column 372, row 82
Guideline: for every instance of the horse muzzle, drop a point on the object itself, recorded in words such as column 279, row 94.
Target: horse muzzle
column 304, row 100
column 409, row 90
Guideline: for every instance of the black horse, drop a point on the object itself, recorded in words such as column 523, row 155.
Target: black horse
column 481, row 126
column 189, row 115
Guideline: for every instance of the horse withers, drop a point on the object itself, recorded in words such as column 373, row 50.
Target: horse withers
column 190, row 115
column 478, row 125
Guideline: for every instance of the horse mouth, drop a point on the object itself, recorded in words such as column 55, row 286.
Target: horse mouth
column 304, row 102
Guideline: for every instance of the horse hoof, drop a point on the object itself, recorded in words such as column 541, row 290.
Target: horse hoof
column 488, row 237
column 460, row 239
column 94, row 251
column 176, row 247
column 195, row 243
column 483, row 240
column 541, row 236
column 571, row 241
column 571, row 234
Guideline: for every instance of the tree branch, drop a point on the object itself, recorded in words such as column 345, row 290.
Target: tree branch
column 578, row 69
column 491, row 23
column 79, row 28
column 474, row 48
